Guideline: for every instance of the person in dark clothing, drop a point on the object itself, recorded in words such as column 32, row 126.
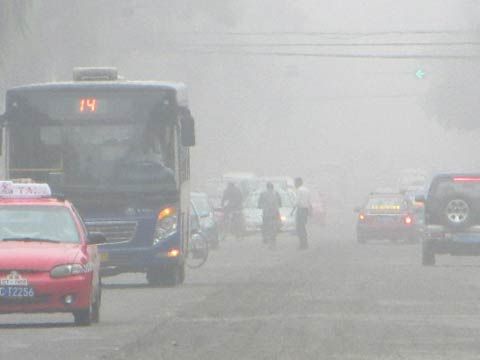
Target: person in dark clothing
column 232, row 204
column 232, row 198
column 303, row 208
column 270, row 203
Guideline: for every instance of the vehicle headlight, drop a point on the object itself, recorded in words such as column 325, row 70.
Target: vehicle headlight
column 166, row 224
column 68, row 270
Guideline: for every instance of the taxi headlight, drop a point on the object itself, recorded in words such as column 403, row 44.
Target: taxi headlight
column 68, row 270
column 166, row 224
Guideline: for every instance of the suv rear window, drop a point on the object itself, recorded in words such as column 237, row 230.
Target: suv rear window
column 446, row 187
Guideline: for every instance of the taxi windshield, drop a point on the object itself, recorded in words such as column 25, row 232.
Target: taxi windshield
column 386, row 203
column 52, row 223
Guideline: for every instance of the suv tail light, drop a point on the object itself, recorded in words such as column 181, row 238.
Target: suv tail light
column 466, row 179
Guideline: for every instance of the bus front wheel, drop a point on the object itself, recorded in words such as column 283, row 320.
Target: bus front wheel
column 168, row 276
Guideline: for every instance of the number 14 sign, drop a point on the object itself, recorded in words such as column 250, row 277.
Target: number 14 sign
column 88, row 105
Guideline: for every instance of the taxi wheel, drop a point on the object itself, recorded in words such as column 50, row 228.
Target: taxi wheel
column 96, row 307
column 90, row 315
column 83, row 317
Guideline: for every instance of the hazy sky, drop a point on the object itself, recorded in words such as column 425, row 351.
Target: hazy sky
column 356, row 15
column 296, row 115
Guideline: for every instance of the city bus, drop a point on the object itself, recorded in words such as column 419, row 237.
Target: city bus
column 119, row 150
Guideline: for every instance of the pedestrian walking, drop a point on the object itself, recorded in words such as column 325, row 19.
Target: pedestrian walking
column 303, row 209
column 270, row 203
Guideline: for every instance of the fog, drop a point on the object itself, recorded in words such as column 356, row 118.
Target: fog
column 344, row 93
column 268, row 92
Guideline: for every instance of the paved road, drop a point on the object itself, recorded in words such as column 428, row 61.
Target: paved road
column 338, row 300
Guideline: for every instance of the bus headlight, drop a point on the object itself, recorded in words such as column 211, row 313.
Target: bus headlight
column 166, row 224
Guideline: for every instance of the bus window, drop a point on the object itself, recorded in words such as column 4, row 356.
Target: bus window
column 95, row 153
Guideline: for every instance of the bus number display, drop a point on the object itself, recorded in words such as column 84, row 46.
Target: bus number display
column 88, row 105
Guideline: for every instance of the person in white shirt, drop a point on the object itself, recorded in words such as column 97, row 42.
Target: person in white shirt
column 303, row 208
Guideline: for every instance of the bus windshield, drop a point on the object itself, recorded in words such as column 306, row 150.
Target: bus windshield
column 126, row 148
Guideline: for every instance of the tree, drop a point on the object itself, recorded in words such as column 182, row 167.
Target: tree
column 13, row 21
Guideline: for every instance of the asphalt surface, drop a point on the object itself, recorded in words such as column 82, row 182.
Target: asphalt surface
column 337, row 300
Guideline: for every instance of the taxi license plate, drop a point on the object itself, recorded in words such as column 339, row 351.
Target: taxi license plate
column 16, row 292
column 104, row 257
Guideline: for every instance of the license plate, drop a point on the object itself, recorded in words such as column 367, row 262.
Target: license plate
column 104, row 257
column 16, row 292
column 384, row 219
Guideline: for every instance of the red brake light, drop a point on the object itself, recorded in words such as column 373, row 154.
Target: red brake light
column 466, row 179
column 361, row 217
column 408, row 220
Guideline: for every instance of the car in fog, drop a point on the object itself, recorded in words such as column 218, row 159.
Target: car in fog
column 452, row 216
column 253, row 214
column 207, row 217
column 319, row 211
column 49, row 263
column 385, row 216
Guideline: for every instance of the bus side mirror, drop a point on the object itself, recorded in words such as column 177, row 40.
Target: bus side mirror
column 188, row 130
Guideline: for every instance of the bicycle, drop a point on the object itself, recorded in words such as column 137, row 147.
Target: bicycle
column 197, row 251
column 234, row 224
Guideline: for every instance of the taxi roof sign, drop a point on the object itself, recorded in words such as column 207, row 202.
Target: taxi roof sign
column 11, row 190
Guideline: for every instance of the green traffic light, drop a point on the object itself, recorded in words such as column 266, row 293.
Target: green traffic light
column 420, row 74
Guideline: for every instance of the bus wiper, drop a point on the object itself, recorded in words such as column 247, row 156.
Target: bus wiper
column 30, row 239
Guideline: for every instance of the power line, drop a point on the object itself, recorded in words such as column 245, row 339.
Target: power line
column 333, row 55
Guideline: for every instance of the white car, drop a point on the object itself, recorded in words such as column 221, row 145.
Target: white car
column 253, row 215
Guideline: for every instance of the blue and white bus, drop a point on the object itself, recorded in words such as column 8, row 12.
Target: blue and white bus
column 120, row 151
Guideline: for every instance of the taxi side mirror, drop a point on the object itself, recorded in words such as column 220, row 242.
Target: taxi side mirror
column 420, row 199
column 95, row 238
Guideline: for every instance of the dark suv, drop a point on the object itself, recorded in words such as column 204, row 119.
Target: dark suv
column 452, row 216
